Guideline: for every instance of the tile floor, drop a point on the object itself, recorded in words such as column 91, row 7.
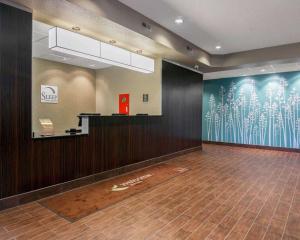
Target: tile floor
column 229, row 193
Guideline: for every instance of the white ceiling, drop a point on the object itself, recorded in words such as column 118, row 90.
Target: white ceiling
column 268, row 69
column 236, row 25
column 40, row 49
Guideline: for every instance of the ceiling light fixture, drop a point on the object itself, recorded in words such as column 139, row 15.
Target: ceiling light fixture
column 92, row 65
column 76, row 28
column 218, row 47
column 263, row 70
column 91, row 49
column 179, row 20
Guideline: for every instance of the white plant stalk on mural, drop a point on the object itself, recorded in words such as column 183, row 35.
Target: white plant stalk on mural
column 240, row 115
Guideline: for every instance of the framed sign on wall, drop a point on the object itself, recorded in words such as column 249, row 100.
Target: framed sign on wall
column 145, row 97
column 49, row 94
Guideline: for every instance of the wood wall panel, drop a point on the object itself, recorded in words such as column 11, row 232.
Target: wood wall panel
column 15, row 98
column 28, row 164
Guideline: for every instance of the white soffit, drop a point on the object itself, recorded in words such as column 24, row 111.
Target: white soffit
column 242, row 72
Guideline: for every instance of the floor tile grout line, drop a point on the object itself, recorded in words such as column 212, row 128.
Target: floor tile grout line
column 240, row 216
column 269, row 224
column 188, row 209
column 257, row 216
column 274, row 211
column 184, row 211
column 266, row 200
column 284, row 229
column 254, row 221
column 213, row 212
column 226, row 216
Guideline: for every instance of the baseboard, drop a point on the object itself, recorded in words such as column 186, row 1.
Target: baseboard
column 254, row 146
column 31, row 196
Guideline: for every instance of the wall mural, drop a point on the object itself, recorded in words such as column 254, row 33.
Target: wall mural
column 259, row 110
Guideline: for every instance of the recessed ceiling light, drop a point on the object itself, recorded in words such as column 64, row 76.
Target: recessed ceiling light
column 112, row 41
column 218, row 47
column 179, row 20
column 92, row 65
column 263, row 70
column 76, row 28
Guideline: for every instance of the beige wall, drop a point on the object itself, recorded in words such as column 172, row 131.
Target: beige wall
column 112, row 81
column 76, row 92
column 86, row 90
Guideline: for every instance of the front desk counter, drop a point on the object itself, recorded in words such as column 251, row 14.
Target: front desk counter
column 124, row 125
column 95, row 121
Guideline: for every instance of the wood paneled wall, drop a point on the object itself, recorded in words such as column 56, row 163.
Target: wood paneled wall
column 27, row 164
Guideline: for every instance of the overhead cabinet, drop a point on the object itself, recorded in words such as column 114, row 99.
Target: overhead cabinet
column 75, row 44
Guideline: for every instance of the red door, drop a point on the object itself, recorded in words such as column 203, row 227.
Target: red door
column 124, row 103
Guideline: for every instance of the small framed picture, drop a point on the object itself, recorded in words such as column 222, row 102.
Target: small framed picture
column 145, row 97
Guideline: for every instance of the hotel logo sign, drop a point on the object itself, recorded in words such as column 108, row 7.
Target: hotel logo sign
column 49, row 94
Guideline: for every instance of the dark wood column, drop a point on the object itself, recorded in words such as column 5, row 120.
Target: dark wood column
column 15, row 98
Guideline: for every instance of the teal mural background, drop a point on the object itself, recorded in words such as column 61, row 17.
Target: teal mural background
column 258, row 110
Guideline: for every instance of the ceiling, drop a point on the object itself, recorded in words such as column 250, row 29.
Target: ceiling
column 40, row 49
column 236, row 25
column 267, row 69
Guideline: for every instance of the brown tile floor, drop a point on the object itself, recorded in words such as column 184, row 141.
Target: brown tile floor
column 229, row 193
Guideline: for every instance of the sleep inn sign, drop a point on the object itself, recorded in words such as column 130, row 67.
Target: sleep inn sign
column 49, row 94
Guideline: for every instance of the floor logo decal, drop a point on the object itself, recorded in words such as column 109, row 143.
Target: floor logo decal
column 129, row 183
column 181, row 169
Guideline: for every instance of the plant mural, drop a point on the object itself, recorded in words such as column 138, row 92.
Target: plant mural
column 259, row 110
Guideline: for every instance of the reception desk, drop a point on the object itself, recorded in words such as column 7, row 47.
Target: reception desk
column 124, row 142
column 35, row 168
